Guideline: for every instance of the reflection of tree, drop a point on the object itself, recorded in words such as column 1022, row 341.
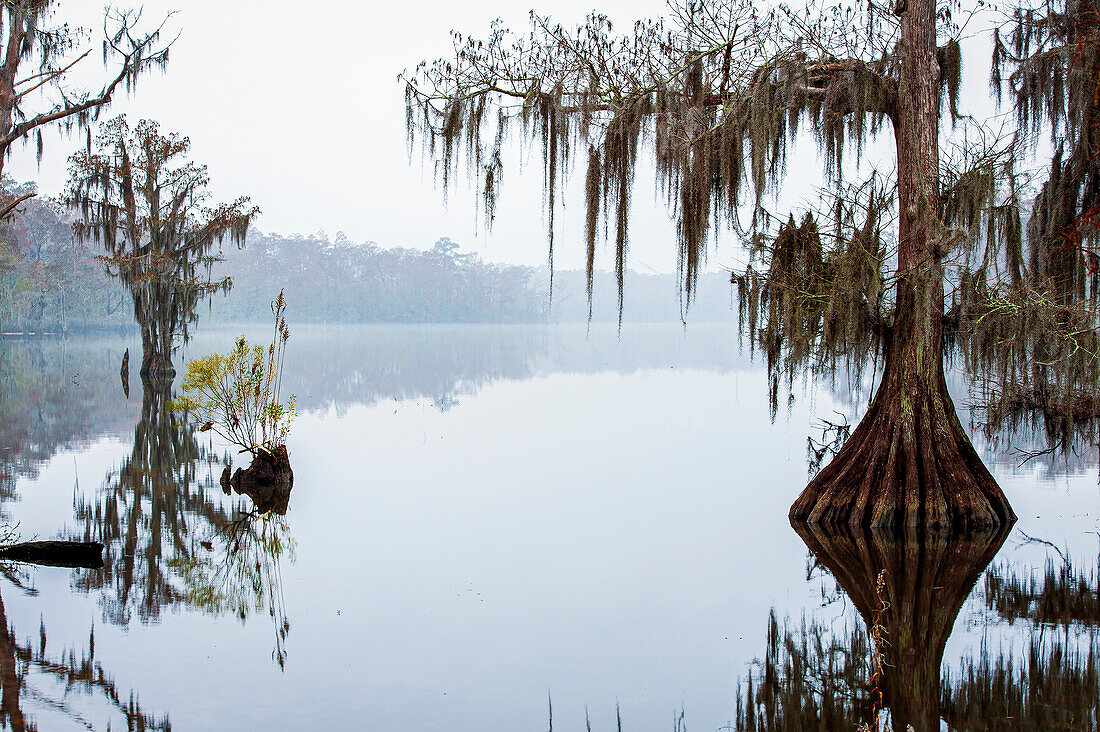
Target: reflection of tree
column 1056, row 684
column 927, row 578
column 171, row 539
column 344, row 366
column 18, row 662
column 1063, row 595
column 55, row 394
column 241, row 572
column 149, row 513
column 1056, row 687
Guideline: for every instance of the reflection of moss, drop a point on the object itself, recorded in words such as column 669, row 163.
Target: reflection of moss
column 1063, row 595
column 19, row 661
column 1058, row 688
column 807, row 680
column 149, row 513
column 814, row 678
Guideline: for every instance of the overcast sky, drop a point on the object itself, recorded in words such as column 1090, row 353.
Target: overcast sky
column 297, row 105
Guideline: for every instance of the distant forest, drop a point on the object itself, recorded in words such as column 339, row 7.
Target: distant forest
column 49, row 283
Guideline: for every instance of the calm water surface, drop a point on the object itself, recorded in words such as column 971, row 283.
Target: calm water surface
column 490, row 526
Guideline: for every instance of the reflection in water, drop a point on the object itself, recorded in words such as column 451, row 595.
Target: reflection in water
column 174, row 541
column 58, row 393
column 811, row 679
column 890, row 662
column 28, row 674
column 1065, row 595
column 1056, row 686
column 1056, row 682
column 170, row 539
column 148, row 514
column 54, row 394
column 240, row 573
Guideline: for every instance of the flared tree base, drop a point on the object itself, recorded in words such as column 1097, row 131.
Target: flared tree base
column 908, row 463
column 157, row 369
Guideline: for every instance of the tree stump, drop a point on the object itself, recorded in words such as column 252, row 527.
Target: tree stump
column 267, row 481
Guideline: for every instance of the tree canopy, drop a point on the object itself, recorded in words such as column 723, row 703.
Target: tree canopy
column 145, row 203
column 40, row 54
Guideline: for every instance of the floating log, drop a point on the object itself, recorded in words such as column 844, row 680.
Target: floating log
column 87, row 554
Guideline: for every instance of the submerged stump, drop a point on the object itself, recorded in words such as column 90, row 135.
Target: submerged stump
column 267, row 481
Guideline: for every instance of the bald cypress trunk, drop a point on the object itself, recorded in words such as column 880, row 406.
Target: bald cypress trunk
column 909, row 462
column 156, row 335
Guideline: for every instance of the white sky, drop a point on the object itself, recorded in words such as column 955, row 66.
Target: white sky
column 301, row 110
column 297, row 105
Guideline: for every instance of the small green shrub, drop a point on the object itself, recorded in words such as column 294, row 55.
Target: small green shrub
column 237, row 395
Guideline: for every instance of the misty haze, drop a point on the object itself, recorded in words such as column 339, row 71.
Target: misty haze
column 709, row 364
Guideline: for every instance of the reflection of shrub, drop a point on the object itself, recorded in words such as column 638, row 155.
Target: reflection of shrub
column 239, row 573
column 237, row 395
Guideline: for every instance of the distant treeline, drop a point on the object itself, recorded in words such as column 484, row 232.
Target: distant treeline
column 338, row 281
column 49, row 283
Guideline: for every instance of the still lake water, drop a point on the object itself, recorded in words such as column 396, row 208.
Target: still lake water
column 488, row 526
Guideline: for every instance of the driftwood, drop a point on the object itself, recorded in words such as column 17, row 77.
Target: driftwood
column 87, row 554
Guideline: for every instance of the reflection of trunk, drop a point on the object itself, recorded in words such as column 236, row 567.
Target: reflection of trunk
column 124, row 373
column 909, row 462
column 151, row 509
column 9, row 677
column 67, row 675
column 928, row 578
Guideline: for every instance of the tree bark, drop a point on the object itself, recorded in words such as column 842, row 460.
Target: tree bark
column 156, row 343
column 909, row 462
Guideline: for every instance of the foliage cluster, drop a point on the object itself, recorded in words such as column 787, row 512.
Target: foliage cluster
column 145, row 203
column 717, row 94
column 237, row 395
column 37, row 76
